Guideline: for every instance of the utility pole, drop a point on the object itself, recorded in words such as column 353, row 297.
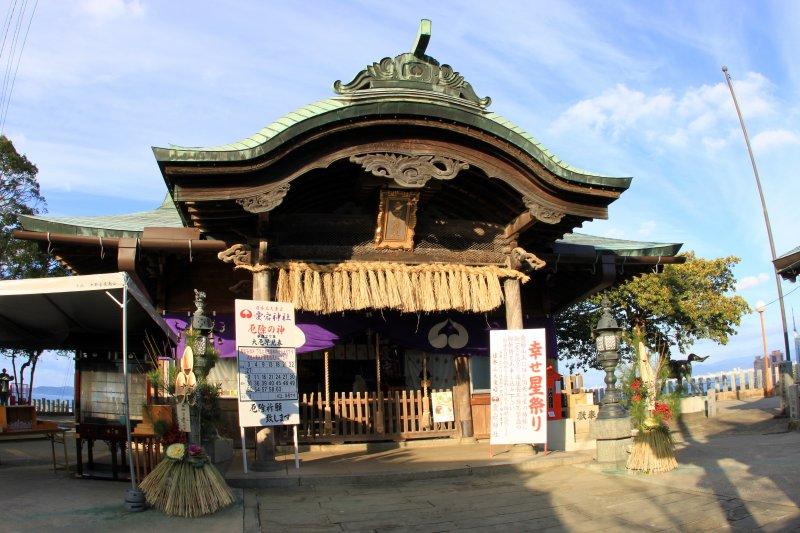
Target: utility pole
column 796, row 336
column 766, row 214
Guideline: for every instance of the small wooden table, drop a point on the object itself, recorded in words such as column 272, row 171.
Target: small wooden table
column 112, row 434
column 46, row 430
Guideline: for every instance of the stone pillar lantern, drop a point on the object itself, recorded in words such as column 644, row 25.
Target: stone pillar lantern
column 612, row 428
column 606, row 338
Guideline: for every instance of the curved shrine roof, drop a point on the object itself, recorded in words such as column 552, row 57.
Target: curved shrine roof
column 410, row 84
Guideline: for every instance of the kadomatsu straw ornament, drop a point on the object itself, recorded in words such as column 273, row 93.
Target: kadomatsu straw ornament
column 185, row 482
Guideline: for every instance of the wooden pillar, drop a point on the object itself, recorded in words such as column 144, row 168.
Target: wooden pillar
column 380, row 426
column 511, row 288
column 426, row 383
column 265, row 436
column 328, row 424
column 461, row 396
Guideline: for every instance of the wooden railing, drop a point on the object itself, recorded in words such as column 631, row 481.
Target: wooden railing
column 357, row 416
column 147, row 453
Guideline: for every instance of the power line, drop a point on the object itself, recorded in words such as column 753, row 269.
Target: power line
column 12, row 53
column 783, row 296
column 9, row 15
column 16, row 70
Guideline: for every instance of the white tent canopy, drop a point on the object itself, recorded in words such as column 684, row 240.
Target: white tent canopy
column 74, row 312
column 79, row 312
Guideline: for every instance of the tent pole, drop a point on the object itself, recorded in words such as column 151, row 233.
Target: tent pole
column 134, row 499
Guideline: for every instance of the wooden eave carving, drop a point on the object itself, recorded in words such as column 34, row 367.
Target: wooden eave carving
column 264, row 201
column 410, row 171
column 541, row 212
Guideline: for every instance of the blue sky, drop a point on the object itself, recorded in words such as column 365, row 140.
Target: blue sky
column 624, row 88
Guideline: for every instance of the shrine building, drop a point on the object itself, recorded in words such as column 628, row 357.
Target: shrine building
column 401, row 217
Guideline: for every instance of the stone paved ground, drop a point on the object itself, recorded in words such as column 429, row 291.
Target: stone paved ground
column 739, row 471
column 34, row 498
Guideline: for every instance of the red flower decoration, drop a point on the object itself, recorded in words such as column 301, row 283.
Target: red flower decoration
column 637, row 397
column 636, row 384
column 663, row 409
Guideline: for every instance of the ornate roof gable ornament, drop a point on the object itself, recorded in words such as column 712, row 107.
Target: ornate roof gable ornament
column 413, row 70
column 410, row 171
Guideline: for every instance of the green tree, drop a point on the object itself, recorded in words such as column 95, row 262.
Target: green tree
column 20, row 195
column 672, row 309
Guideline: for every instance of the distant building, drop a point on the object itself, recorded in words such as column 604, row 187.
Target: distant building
column 774, row 358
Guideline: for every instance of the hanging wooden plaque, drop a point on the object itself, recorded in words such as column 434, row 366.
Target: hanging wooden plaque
column 397, row 217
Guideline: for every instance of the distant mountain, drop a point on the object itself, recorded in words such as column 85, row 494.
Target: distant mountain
column 45, row 391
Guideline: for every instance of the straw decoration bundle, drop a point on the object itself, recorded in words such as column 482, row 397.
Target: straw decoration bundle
column 330, row 288
column 653, row 451
column 189, row 488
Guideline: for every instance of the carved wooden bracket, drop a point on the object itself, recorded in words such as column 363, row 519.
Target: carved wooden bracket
column 411, row 171
column 238, row 254
column 519, row 255
column 542, row 213
column 241, row 256
column 265, row 201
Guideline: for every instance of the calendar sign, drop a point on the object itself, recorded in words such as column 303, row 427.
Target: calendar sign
column 266, row 339
column 518, row 367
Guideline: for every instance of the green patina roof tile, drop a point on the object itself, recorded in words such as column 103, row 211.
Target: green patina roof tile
column 250, row 142
column 303, row 113
column 398, row 101
column 125, row 225
column 622, row 246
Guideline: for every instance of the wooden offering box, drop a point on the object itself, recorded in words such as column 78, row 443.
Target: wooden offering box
column 17, row 417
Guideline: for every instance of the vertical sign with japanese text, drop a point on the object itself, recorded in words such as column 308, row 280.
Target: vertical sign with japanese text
column 266, row 340
column 518, row 368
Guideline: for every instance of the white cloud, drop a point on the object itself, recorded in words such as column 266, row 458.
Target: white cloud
column 107, row 10
column 695, row 117
column 772, row 139
column 748, row 282
column 713, row 144
column 616, row 109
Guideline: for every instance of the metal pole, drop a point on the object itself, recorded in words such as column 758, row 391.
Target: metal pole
column 767, row 373
column 764, row 208
column 125, row 374
column 134, row 499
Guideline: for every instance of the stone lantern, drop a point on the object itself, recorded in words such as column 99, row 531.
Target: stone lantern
column 606, row 338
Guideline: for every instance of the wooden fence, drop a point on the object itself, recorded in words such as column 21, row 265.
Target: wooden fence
column 356, row 416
